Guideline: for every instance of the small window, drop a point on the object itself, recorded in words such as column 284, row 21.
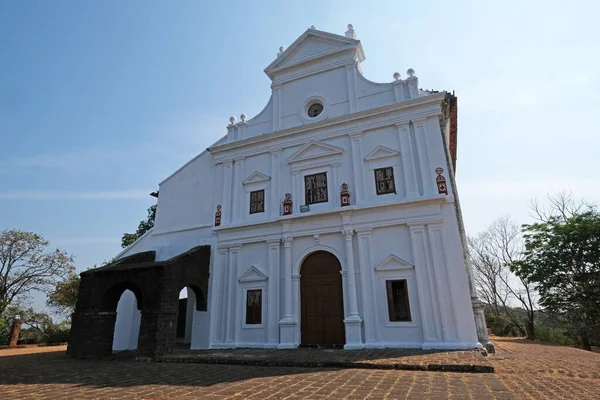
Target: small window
column 257, row 201
column 254, row 307
column 316, row 188
column 384, row 180
column 397, row 297
column 315, row 109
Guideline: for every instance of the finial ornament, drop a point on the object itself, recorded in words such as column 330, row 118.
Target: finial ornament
column 350, row 32
column 281, row 50
column 312, row 27
column 243, row 117
column 410, row 72
column 396, row 76
column 232, row 120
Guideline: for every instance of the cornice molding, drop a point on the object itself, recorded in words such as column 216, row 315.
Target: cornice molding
column 343, row 119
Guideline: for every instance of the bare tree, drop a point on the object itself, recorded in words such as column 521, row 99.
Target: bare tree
column 492, row 253
column 561, row 205
column 27, row 265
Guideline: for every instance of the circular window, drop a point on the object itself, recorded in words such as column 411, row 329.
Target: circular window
column 315, row 109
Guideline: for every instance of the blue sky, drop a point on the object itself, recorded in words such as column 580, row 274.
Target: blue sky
column 101, row 100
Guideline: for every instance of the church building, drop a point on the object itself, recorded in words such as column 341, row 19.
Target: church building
column 331, row 218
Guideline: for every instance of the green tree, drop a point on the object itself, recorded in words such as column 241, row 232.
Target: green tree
column 562, row 258
column 143, row 227
column 64, row 295
column 26, row 265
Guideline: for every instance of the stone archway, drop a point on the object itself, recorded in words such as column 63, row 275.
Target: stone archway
column 321, row 301
column 156, row 286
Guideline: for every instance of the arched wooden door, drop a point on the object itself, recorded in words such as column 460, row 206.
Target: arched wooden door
column 321, row 301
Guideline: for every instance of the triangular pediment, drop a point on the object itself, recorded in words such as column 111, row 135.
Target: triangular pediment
column 381, row 152
column 312, row 44
column 314, row 149
column 393, row 262
column 256, row 177
column 253, row 275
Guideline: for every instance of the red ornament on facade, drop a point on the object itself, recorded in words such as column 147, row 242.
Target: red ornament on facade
column 287, row 204
column 441, row 181
column 218, row 216
column 345, row 195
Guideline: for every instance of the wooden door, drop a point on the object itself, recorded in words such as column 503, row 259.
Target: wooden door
column 321, row 301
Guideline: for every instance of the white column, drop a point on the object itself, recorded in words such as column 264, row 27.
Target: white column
column 238, row 195
column 276, row 107
column 426, row 170
column 296, row 306
column 443, row 291
column 287, row 324
column 275, row 205
column 335, row 169
column 226, row 199
column 368, row 295
column 351, row 83
column 273, row 294
column 425, row 287
column 232, row 298
column 352, row 301
column 399, row 89
column 408, row 161
column 218, row 305
column 357, row 167
column 287, row 277
column 297, row 192
column 352, row 321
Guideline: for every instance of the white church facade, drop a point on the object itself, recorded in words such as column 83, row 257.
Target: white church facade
column 332, row 216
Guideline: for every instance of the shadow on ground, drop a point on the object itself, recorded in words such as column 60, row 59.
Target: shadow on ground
column 58, row 368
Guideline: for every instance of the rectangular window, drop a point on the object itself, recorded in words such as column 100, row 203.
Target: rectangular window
column 257, row 201
column 254, row 307
column 384, row 180
column 315, row 188
column 397, row 297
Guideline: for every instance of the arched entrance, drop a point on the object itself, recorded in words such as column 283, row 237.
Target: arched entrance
column 321, row 301
column 127, row 323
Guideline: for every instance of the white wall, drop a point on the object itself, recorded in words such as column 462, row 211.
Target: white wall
column 127, row 325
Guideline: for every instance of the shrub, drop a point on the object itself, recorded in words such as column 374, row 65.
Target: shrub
column 58, row 333
column 501, row 325
column 554, row 335
column 4, row 332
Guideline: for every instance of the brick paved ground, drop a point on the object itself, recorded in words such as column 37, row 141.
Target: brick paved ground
column 523, row 370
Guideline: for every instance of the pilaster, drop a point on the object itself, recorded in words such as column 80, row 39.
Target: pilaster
column 425, row 287
column 226, row 201
column 275, row 184
column 287, row 325
column 408, row 160
column 238, row 198
column 273, row 294
column 443, row 292
column 276, row 106
column 370, row 315
column 353, row 320
column 351, row 84
column 357, row 167
column 423, row 156
column 231, row 323
column 218, row 297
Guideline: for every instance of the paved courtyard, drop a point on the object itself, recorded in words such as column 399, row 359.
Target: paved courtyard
column 522, row 370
